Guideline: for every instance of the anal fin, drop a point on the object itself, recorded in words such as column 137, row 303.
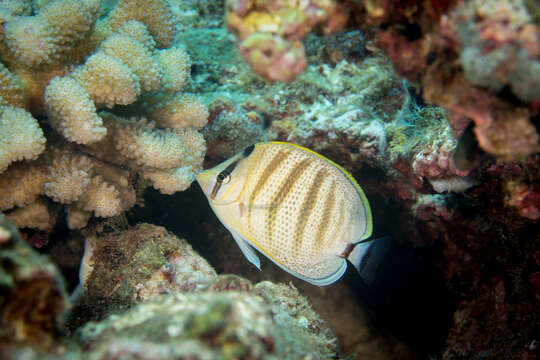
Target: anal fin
column 247, row 250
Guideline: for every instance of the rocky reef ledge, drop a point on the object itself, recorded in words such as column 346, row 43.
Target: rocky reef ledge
column 146, row 294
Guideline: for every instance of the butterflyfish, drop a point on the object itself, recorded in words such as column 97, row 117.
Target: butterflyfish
column 301, row 210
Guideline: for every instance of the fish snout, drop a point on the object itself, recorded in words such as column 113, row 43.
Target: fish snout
column 206, row 180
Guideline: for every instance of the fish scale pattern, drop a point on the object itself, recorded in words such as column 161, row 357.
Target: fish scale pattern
column 303, row 211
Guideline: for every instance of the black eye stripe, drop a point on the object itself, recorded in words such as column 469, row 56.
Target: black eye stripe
column 247, row 151
column 229, row 169
column 217, row 185
column 221, row 177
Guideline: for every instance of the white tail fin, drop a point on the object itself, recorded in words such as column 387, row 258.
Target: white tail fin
column 367, row 256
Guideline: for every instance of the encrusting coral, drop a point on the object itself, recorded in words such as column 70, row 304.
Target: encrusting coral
column 479, row 60
column 147, row 294
column 179, row 304
column 64, row 66
column 142, row 262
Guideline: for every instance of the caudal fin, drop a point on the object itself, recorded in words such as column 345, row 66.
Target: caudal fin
column 367, row 256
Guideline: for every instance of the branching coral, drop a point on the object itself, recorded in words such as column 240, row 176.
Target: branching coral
column 35, row 215
column 28, row 179
column 177, row 112
column 65, row 73
column 47, row 36
column 20, row 136
column 72, row 112
column 155, row 14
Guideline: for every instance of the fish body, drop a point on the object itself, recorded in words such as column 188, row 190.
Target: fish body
column 298, row 208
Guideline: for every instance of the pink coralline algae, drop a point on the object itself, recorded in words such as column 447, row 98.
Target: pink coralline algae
column 270, row 32
column 273, row 58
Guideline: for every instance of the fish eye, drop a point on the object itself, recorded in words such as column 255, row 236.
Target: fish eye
column 223, row 177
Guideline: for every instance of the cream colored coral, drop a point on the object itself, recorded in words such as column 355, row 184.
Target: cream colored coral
column 139, row 32
column 21, row 184
column 179, row 179
column 20, row 136
column 46, row 37
column 108, row 194
column 176, row 111
column 35, row 215
column 148, row 146
column 76, row 218
column 170, row 181
column 11, row 8
column 175, row 65
column 107, row 80
column 64, row 66
column 119, row 178
column 12, row 90
column 155, row 14
column 195, row 147
column 102, row 198
column 72, row 112
column 137, row 56
column 69, row 176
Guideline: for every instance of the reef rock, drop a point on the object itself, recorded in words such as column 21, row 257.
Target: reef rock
column 133, row 265
column 150, row 296
column 209, row 325
column 33, row 296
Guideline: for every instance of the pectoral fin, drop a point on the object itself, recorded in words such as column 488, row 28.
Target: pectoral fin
column 247, row 250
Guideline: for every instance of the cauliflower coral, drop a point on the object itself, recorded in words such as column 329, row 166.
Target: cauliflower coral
column 108, row 96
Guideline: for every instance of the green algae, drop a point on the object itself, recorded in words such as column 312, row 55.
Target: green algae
column 412, row 126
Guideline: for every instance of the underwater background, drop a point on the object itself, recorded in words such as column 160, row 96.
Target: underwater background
column 108, row 109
